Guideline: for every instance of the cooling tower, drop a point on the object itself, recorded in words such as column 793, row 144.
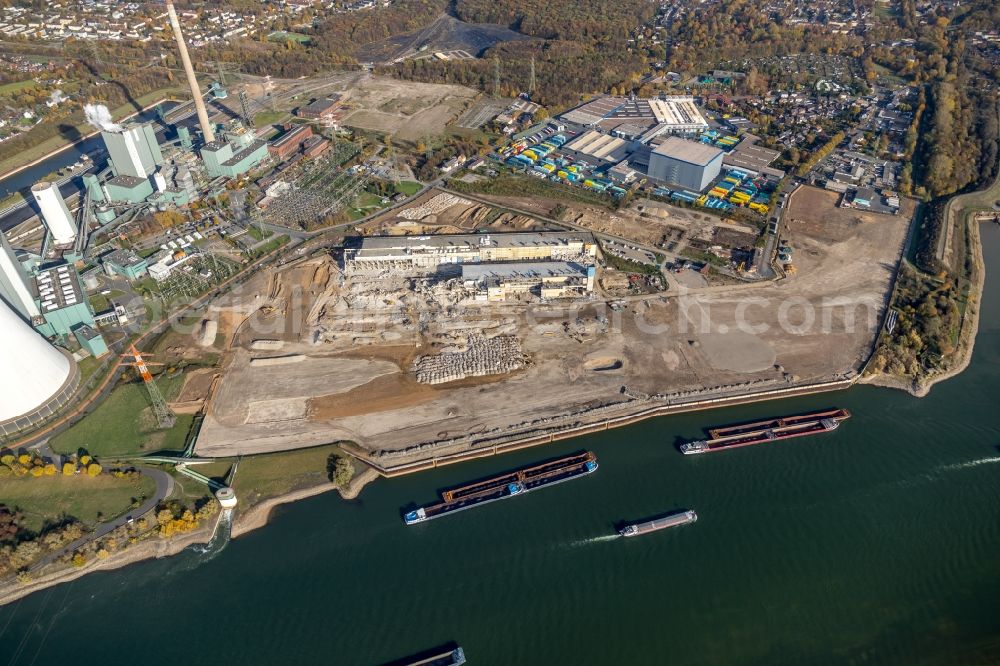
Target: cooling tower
column 14, row 288
column 36, row 379
column 55, row 214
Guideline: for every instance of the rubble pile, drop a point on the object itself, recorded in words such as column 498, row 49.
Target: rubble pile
column 481, row 356
column 438, row 204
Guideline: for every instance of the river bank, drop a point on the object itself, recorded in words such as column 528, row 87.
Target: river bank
column 255, row 517
column 151, row 549
column 921, row 387
column 259, row 514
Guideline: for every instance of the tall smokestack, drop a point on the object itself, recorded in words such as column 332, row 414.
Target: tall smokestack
column 199, row 103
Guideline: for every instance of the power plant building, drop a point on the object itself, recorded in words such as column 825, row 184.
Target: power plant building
column 289, row 143
column 125, row 263
column 14, row 283
column 37, row 379
column 129, row 189
column 55, row 213
column 91, row 340
column 320, row 109
column 690, row 164
column 134, row 150
column 62, row 301
column 233, row 158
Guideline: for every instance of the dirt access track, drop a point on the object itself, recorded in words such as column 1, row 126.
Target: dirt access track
column 354, row 381
column 405, row 109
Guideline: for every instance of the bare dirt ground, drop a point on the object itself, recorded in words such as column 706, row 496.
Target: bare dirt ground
column 437, row 212
column 643, row 221
column 406, row 109
column 196, row 385
column 360, row 341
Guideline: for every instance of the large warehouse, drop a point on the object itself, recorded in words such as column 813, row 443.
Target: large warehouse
column 686, row 163
column 427, row 253
column 638, row 116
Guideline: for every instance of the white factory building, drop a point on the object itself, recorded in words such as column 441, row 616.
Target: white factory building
column 55, row 213
column 430, row 253
column 37, row 379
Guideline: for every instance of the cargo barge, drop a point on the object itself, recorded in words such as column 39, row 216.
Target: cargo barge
column 770, row 430
column 506, row 485
column 657, row 524
column 449, row 655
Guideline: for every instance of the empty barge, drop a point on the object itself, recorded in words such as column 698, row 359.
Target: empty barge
column 506, row 485
column 675, row 520
column 771, row 430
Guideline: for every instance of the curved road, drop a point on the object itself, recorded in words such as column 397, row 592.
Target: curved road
column 164, row 486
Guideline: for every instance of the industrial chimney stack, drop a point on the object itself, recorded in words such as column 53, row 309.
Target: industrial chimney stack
column 199, row 102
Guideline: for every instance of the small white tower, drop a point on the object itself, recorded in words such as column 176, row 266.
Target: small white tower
column 226, row 497
column 55, row 214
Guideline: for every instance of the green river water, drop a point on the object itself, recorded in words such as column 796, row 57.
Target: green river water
column 877, row 544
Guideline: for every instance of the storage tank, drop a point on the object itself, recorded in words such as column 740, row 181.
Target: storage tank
column 55, row 214
column 36, row 376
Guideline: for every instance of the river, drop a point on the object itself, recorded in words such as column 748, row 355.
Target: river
column 879, row 543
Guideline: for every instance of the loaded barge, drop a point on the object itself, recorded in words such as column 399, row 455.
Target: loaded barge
column 507, row 485
column 771, row 430
column 675, row 520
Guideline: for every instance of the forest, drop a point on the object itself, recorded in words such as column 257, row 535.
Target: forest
column 602, row 22
column 581, row 48
column 564, row 70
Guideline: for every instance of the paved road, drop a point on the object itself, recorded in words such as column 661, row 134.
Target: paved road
column 164, row 486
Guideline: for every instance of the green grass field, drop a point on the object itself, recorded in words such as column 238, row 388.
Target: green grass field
column 99, row 302
column 273, row 474
column 122, row 424
column 88, row 499
column 409, row 187
column 16, row 87
column 268, row 118
column 282, row 36
column 255, row 233
column 270, row 246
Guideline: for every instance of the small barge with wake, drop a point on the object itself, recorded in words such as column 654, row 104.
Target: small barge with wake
column 507, row 485
column 771, row 430
column 657, row 524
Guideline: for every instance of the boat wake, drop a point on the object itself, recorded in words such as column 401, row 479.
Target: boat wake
column 970, row 464
column 587, row 542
